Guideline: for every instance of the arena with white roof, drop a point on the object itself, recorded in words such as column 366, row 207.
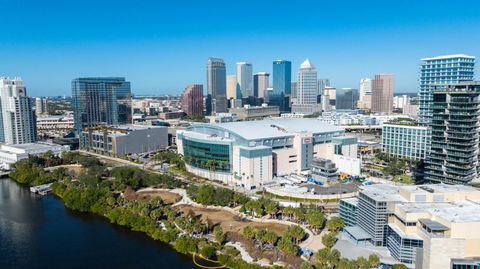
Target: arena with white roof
column 250, row 153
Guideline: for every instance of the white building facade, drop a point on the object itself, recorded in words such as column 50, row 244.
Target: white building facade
column 307, row 90
column 245, row 78
column 17, row 118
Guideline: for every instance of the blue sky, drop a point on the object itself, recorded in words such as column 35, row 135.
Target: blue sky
column 160, row 46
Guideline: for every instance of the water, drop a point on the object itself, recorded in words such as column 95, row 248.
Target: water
column 39, row 232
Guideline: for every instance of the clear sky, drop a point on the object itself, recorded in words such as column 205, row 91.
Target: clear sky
column 160, row 46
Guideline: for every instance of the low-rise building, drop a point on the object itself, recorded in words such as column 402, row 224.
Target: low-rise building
column 124, row 140
column 170, row 115
column 255, row 112
column 54, row 125
column 429, row 226
column 405, row 141
column 10, row 154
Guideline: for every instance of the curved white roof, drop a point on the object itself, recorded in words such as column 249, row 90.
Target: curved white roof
column 251, row 130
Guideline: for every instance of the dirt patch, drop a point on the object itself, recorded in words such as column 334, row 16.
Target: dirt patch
column 166, row 196
column 231, row 222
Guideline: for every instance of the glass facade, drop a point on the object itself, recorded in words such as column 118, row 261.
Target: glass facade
column 101, row 101
column 208, row 156
column 346, row 98
column 282, row 84
column 347, row 209
column 403, row 249
column 441, row 70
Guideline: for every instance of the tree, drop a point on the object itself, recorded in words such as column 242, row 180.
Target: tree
column 271, row 237
column 185, row 244
column 206, row 195
column 373, row 260
column 328, row 240
column 286, row 245
column 362, row 263
column 327, row 258
column 208, row 251
column 219, row 235
column 296, row 233
column 248, row 231
column 399, row 266
column 334, row 224
column 306, row 265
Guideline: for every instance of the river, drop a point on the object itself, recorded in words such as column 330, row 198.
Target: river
column 39, row 232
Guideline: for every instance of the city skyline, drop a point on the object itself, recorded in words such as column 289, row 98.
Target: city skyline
column 151, row 49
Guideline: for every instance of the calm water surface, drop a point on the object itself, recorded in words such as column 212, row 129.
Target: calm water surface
column 39, row 232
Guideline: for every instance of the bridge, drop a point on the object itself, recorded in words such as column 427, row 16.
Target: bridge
column 362, row 128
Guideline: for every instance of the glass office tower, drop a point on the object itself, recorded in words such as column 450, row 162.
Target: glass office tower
column 282, row 83
column 101, row 101
column 446, row 69
column 346, row 98
column 216, row 86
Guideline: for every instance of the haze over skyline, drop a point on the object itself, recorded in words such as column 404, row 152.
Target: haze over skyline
column 161, row 47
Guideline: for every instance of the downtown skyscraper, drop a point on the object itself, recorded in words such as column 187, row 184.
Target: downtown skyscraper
column 260, row 84
column 216, row 86
column 445, row 69
column 282, row 83
column 245, row 78
column 100, row 101
column 382, row 93
column 306, row 101
column 192, row 100
column 17, row 117
column 365, row 94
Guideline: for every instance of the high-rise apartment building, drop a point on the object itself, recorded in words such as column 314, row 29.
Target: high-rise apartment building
column 306, row 101
column 216, row 86
column 232, row 88
column 382, row 93
column 41, row 106
column 101, row 101
column 17, row 118
column 453, row 157
column 346, row 98
column 261, row 81
column 282, row 82
column 365, row 94
column 445, row 69
column 192, row 100
column 245, row 78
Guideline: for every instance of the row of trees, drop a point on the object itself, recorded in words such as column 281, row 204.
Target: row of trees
column 286, row 243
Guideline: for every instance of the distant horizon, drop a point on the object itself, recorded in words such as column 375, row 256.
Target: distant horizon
column 160, row 47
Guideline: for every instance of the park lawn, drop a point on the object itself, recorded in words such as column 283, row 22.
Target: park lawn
column 231, row 222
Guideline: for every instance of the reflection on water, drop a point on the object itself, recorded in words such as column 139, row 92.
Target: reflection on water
column 38, row 232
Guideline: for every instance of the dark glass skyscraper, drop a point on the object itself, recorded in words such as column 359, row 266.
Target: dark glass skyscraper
column 101, row 101
column 346, row 98
column 216, row 86
column 282, row 83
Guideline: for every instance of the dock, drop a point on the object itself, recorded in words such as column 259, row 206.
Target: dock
column 4, row 174
column 42, row 189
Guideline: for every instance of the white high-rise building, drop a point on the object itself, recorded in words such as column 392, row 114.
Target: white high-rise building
column 400, row 101
column 17, row 118
column 365, row 94
column 41, row 106
column 245, row 78
column 307, row 90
